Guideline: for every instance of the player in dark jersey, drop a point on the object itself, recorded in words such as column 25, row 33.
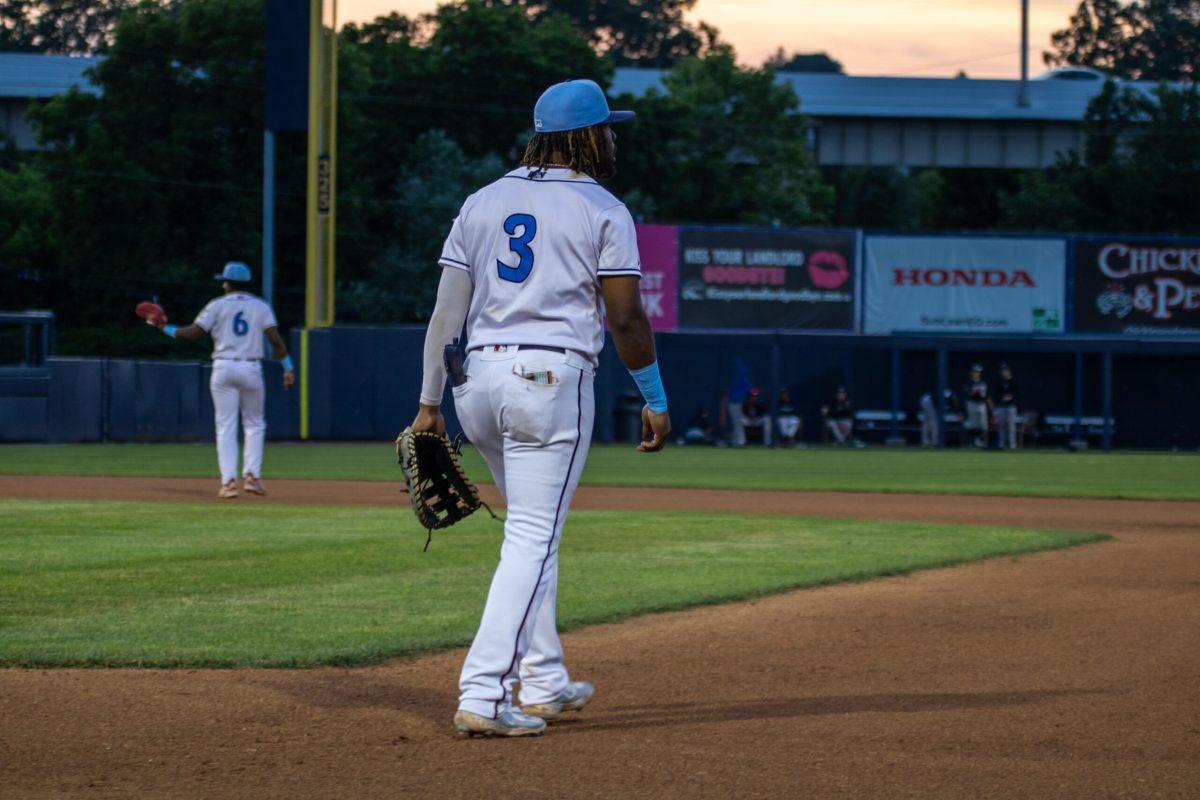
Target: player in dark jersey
column 1007, row 395
column 839, row 416
column 789, row 421
column 975, row 390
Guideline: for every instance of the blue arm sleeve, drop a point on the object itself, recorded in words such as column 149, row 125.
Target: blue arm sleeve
column 649, row 382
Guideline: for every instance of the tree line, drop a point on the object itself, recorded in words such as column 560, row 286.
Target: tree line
column 147, row 187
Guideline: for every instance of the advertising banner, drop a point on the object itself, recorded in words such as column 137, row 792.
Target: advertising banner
column 1137, row 286
column 658, row 248
column 961, row 284
column 766, row 278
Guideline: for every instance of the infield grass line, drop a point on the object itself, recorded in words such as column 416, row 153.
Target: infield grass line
column 108, row 583
column 1040, row 473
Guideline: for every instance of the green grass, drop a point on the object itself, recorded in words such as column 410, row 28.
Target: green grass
column 1165, row 476
column 135, row 584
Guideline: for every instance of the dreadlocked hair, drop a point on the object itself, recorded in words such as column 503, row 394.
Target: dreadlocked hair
column 585, row 150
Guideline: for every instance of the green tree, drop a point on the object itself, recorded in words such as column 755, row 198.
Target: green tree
column 886, row 198
column 1146, row 40
column 69, row 27
column 399, row 284
column 26, row 213
column 805, row 62
column 156, row 179
column 968, row 199
column 723, row 144
column 1135, row 174
column 488, row 65
column 648, row 33
column 470, row 70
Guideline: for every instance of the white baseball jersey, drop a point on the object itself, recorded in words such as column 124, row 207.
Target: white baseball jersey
column 536, row 244
column 236, row 322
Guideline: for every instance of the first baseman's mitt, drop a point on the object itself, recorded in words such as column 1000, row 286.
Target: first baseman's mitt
column 151, row 312
column 440, row 491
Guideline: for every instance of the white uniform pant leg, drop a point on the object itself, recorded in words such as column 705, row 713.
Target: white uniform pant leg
column 223, row 385
column 929, row 423
column 543, row 672
column 737, row 425
column 254, row 425
column 1006, row 424
column 929, row 429
column 840, row 428
column 482, row 428
column 977, row 417
column 546, row 432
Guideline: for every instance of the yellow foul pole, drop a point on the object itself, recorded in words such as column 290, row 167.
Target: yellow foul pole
column 322, row 171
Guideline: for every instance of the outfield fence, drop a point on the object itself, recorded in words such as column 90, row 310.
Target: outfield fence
column 365, row 381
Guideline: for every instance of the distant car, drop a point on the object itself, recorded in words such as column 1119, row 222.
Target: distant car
column 1072, row 74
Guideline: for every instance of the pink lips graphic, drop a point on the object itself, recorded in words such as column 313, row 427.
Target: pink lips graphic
column 827, row 269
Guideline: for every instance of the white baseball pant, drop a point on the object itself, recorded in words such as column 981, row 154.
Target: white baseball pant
column 977, row 417
column 841, row 429
column 535, row 439
column 737, row 425
column 788, row 425
column 1006, row 423
column 929, row 422
column 238, row 385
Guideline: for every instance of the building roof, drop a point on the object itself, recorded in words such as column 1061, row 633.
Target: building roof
column 37, row 75
column 831, row 95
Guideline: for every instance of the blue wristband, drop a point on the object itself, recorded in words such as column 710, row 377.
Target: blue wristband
column 649, row 382
column 169, row 330
column 288, row 366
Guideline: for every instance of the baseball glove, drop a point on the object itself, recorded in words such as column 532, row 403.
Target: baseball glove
column 151, row 312
column 441, row 493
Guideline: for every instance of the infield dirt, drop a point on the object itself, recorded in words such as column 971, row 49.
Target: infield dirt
column 1063, row 674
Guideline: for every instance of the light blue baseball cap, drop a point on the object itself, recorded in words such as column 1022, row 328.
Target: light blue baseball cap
column 571, row 105
column 234, row 271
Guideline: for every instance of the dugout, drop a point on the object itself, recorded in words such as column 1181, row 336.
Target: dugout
column 367, row 377
column 1147, row 386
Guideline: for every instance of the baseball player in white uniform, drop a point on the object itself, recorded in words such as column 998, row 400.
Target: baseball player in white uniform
column 531, row 264
column 236, row 321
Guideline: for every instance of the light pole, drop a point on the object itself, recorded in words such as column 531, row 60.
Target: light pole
column 1023, row 97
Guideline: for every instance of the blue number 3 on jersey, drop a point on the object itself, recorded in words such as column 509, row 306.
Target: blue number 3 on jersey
column 520, row 246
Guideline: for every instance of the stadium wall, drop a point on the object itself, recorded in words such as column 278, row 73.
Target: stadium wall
column 128, row 400
column 365, row 381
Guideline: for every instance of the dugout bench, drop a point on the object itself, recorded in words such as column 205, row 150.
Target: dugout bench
column 1076, row 432
column 875, row 424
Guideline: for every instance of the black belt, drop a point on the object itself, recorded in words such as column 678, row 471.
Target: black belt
column 231, row 358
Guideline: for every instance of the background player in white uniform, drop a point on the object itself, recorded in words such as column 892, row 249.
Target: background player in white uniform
column 237, row 321
column 526, row 265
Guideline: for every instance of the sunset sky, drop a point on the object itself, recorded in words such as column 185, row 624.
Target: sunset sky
column 870, row 37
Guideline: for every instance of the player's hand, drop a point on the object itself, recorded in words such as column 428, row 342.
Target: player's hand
column 429, row 418
column 655, row 429
column 289, row 379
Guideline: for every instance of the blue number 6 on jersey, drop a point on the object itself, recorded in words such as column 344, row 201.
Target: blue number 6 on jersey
column 240, row 326
column 520, row 246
